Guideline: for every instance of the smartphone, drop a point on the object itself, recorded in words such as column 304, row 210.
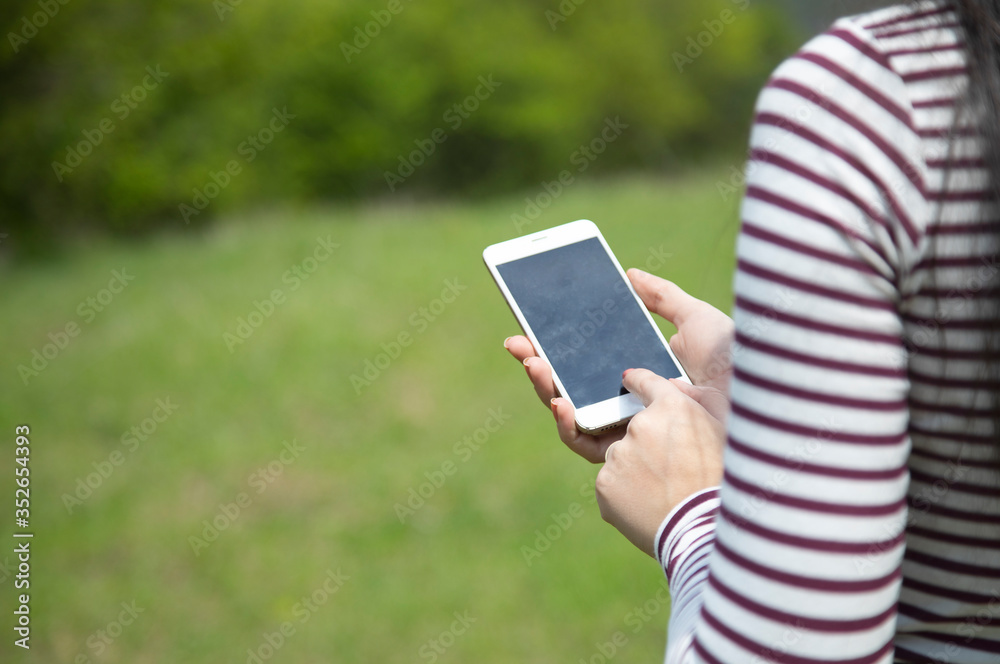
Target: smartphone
column 574, row 302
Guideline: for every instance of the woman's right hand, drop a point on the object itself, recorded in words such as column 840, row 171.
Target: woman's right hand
column 702, row 344
column 704, row 338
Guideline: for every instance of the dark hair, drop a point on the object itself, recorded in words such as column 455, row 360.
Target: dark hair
column 980, row 20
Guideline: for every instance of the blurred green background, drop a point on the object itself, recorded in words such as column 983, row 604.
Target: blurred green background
column 216, row 218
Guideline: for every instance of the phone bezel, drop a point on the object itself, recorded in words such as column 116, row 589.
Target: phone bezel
column 605, row 415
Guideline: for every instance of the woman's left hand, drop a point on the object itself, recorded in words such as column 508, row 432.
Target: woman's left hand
column 672, row 450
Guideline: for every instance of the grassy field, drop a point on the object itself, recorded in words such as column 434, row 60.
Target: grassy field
column 194, row 491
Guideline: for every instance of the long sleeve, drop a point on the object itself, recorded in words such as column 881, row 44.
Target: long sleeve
column 797, row 557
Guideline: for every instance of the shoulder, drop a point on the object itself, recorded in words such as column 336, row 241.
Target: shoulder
column 848, row 110
column 879, row 55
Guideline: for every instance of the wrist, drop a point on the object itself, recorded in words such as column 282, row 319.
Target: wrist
column 683, row 525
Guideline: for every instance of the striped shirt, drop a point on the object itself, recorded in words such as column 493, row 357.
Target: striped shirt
column 859, row 515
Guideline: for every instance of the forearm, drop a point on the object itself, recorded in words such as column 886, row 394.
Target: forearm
column 683, row 545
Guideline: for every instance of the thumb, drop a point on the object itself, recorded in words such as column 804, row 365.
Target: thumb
column 711, row 399
column 662, row 297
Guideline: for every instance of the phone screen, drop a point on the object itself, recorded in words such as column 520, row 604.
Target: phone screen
column 586, row 320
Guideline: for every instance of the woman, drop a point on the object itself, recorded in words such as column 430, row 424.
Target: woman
column 828, row 490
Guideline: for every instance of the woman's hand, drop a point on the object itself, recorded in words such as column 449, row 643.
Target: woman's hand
column 702, row 344
column 591, row 448
column 703, row 341
column 674, row 447
column 672, row 450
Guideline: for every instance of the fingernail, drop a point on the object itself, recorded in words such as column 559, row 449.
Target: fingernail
column 625, row 373
column 526, row 360
column 505, row 341
column 554, row 406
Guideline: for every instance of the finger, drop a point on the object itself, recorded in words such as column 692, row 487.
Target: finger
column 589, row 447
column 519, row 347
column 693, row 391
column 647, row 386
column 662, row 297
column 538, row 371
column 711, row 399
column 565, row 420
column 540, row 376
column 608, row 452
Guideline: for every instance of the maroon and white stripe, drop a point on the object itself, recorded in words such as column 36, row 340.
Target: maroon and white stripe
column 859, row 516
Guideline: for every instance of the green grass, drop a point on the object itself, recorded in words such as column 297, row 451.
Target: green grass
column 332, row 508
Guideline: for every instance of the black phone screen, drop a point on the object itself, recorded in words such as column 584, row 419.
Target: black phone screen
column 586, row 319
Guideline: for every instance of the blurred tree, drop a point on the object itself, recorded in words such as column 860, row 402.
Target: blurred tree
column 125, row 116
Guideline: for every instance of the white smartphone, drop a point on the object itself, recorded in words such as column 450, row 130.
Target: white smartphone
column 574, row 302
